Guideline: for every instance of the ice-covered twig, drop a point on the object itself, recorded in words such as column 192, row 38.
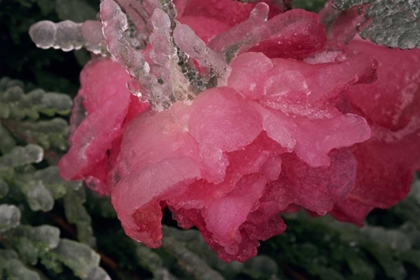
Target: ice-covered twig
column 192, row 45
column 137, row 19
column 244, row 35
column 173, row 85
column 115, row 25
column 67, row 35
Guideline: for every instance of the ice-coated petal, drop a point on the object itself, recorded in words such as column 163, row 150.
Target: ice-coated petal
column 226, row 11
column 308, row 88
column 205, row 28
column 161, row 137
column 393, row 99
column 315, row 189
column 351, row 211
column 225, row 215
column 260, row 157
column 387, row 161
column 137, row 195
column 106, row 102
column 249, row 71
column 313, row 139
column 222, row 119
column 386, row 168
column 294, row 34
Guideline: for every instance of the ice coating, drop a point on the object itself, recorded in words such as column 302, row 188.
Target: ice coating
column 67, row 36
column 192, row 45
column 272, row 123
column 92, row 137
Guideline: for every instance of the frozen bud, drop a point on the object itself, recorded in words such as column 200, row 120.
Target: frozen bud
column 9, row 217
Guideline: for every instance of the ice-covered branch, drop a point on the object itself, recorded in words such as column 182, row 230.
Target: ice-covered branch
column 192, row 45
column 244, row 35
column 67, row 35
column 173, row 85
column 114, row 26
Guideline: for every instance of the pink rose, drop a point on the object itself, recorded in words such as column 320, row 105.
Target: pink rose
column 252, row 118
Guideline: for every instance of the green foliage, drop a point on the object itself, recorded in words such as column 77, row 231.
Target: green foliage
column 27, row 187
column 393, row 23
column 49, row 69
column 329, row 249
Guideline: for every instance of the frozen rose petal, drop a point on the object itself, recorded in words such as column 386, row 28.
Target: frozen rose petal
column 307, row 89
column 248, row 74
column 260, row 157
column 161, row 137
column 97, row 123
column 351, row 211
column 247, row 247
column 92, row 137
column 343, row 28
column 225, row 215
column 386, row 162
column 295, row 34
column 313, row 139
column 315, row 189
column 150, row 185
column 226, row 11
column 205, row 28
column 214, row 120
column 97, row 178
column 394, row 98
column 385, row 169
